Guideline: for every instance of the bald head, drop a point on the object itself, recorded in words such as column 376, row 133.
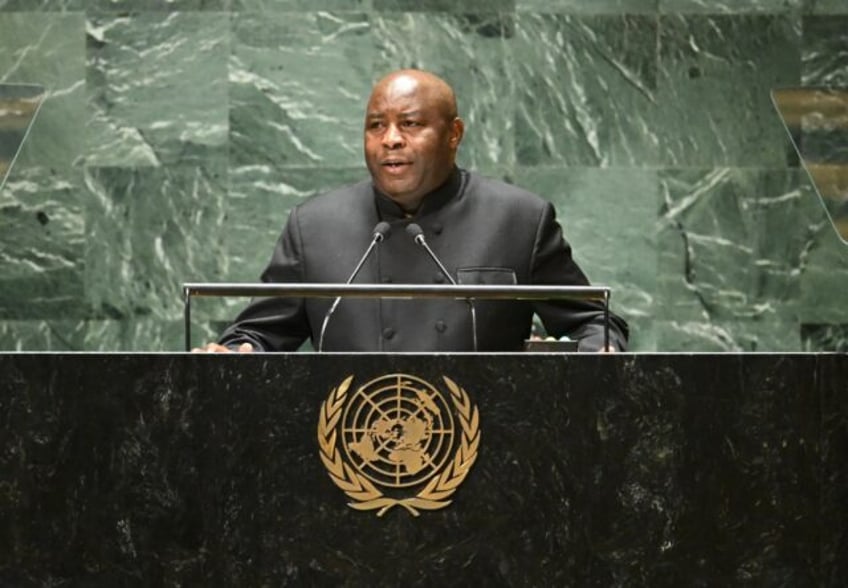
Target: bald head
column 412, row 133
column 430, row 87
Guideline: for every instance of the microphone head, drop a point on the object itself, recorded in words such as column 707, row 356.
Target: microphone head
column 415, row 231
column 382, row 230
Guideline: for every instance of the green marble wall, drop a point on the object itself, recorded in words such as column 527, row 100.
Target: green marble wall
column 177, row 133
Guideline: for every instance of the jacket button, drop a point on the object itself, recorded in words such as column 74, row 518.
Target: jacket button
column 388, row 333
column 437, row 229
column 441, row 326
column 439, row 278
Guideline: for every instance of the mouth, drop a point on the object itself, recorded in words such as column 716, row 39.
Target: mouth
column 394, row 163
column 394, row 166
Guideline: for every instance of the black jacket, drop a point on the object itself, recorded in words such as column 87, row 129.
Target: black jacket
column 484, row 231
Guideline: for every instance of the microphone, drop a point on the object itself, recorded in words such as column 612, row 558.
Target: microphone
column 380, row 232
column 417, row 234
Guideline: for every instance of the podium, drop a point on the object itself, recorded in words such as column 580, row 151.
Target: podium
column 608, row 470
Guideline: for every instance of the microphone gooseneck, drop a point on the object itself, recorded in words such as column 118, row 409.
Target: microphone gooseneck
column 417, row 234
column 380, row 232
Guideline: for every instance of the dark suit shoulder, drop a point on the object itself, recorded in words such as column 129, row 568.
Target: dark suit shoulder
column 343, row 198
column 509, row 193
column 499, row 195
column 344, row 212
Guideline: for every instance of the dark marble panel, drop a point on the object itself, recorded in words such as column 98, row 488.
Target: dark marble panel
column 608, row 217
column 732, row 244
column 298, row 88
column 583, row 7
column 730, row 6
column 157, row 87
column 162, row 226
column 734, row 443
column 613, row 471
column 585, row 90
column 713, row 88
column 470, row 52
column 824, row 51
column 834, row 476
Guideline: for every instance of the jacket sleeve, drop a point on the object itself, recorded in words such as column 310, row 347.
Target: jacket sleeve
column 552, row 264
column 275, row 324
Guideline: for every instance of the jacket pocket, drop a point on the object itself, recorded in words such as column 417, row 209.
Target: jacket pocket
column 491, row 276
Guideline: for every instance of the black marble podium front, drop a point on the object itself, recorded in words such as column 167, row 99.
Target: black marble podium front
column 621, row 470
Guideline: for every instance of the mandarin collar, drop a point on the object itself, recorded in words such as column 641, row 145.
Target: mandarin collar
column 389, row 210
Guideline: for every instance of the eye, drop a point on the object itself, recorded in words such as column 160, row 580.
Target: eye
column 411, row 123
column 374, row 125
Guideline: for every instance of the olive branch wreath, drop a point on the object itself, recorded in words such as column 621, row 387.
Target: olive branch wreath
column 363, row 492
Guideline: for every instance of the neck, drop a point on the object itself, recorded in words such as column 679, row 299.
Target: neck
column 408, row 206
column 411, row 204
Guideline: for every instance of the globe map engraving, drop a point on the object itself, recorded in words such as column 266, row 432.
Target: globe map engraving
column 398, row 430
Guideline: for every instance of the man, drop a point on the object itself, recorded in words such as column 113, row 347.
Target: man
column 484, row 231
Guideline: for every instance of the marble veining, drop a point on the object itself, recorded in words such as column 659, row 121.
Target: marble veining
column 144, row 72
column 562, row 64
column 620, row 470
column 178, row 133
column 278, row 115
column 825, row 51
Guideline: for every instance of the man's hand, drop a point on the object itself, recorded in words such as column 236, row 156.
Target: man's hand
column 215, row 348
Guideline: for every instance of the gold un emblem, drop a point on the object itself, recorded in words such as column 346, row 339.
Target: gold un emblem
column 398, row 441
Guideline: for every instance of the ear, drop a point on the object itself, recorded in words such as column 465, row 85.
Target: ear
column 456, row 132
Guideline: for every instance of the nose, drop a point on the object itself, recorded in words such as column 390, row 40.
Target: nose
column 392, row 138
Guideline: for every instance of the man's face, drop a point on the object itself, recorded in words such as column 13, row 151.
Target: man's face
column 410, row 140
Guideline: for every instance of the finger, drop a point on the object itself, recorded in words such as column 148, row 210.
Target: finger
column 208, row 348
column 245, row 348
column 211, row 348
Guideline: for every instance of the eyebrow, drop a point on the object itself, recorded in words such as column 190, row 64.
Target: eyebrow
column 407, row 114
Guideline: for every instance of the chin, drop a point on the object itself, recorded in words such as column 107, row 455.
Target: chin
column 397, row 190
